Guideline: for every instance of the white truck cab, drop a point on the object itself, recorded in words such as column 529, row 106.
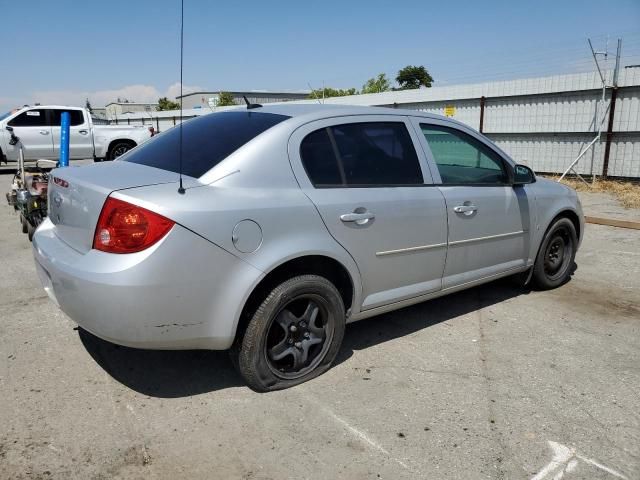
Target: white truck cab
column 38, row 128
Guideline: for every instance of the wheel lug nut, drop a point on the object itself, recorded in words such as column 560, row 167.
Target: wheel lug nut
column 303, row 324
column 306, row 335
column 290, row 341
column 298, row 344
column 293, row 328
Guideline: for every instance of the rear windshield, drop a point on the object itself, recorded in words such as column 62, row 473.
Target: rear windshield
column 206, row 141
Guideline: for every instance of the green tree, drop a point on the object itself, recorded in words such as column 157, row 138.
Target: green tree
column 377, row 84
column 165, row 104
column 411, row 77
column 331, row 92
column 225, row 99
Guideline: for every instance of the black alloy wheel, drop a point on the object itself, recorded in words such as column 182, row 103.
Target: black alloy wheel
column 299, row 336
column 119, row 149
column 293, row 336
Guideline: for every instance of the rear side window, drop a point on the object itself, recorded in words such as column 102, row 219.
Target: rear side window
column 30, row 118
column 319, row 159
column 371, row 154
column 77, row 118
column 206, row 141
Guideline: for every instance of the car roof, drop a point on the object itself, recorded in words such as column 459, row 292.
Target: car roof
column 50, row 106
column 316, row 111
column 40, row 107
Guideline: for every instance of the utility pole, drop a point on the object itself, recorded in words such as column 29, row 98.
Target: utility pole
column 597, row 124
column 602, row 101
column 612, row 112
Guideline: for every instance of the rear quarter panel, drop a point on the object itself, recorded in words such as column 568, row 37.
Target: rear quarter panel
column 289, row 223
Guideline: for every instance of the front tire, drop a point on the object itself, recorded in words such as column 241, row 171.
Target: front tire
column 294, row 335
column 554, row 263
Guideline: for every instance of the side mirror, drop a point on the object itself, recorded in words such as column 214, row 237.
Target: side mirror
column 523, row 175
column 8, row 128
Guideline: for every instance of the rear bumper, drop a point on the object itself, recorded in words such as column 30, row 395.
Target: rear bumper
column 182, row 293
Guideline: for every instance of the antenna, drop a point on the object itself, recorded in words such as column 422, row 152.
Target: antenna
column 181, row 189
column 249, row 104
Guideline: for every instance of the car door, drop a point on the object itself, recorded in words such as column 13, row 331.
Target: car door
column 80, row 139
column 488, row 217
column 32, row 127
column 371, row 187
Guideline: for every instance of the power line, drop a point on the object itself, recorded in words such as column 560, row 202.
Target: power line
column 553, row 58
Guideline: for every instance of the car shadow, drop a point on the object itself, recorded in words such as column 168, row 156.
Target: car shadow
column 163, row 373
column 376, row 330
column 182, row 373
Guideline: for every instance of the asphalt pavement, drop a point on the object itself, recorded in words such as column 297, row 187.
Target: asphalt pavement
column 495, row 382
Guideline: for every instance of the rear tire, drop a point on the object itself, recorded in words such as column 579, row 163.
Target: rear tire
column 294, row 335
column 555, row 260
column 30, row 231
column 118, row 149
column 23, row 222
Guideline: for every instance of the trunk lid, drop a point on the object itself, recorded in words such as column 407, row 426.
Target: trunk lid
column 77, row 194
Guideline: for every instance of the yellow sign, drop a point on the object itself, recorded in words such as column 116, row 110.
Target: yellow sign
column 449, row 110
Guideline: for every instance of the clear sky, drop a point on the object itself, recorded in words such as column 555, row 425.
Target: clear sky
column 64, row 51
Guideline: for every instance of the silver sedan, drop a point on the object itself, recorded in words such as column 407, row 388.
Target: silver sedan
column 294, row 220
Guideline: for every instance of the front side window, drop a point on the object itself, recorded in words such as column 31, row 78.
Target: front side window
column 77, row 118
column 371, row 154
column 462, row 159
column 30, row 118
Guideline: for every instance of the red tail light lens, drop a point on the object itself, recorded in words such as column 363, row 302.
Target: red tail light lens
column 126, row 228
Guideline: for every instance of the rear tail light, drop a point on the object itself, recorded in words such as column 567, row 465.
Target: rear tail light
column 126, row 228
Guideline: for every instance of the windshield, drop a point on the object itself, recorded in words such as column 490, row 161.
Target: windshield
column 206, row 140
column 4, row 115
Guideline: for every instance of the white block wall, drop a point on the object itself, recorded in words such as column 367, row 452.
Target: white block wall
column 543, row 122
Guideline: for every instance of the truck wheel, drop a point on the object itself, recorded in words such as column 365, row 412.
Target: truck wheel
column 557, row 253
column 30, row 231
column 293, row 336
column 23, row 222
column 118, row 149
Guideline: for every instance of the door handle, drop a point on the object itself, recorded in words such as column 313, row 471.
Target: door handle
column 44, row 132
column 466, row 209
column 359, row 218
column 83, row 132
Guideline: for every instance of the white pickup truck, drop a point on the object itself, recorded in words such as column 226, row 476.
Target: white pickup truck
column 38, row 128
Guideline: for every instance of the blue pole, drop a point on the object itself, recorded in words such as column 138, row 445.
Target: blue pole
column 64, row 139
